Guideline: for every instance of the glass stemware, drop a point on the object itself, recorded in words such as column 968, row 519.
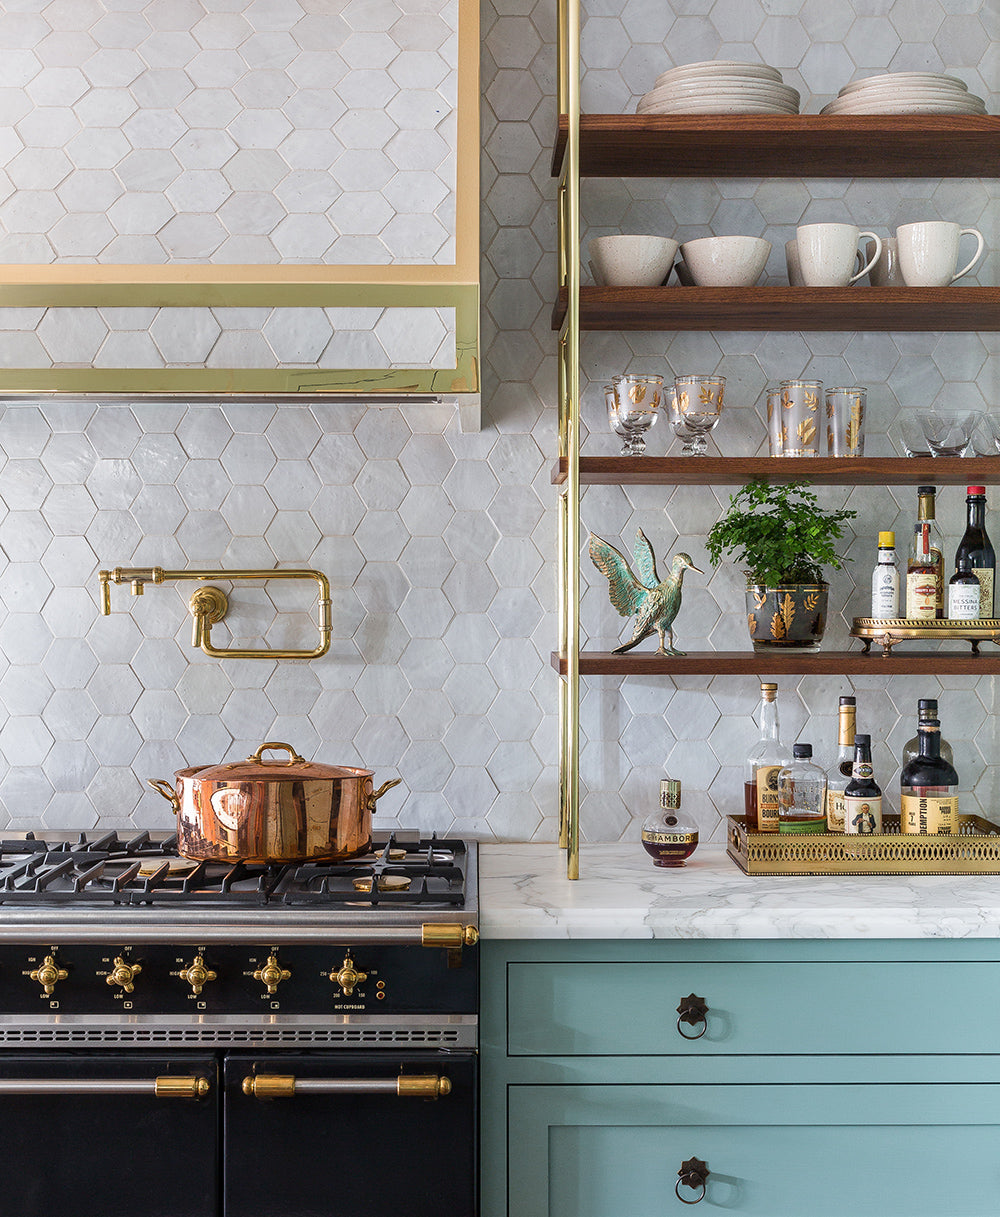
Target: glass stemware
column 611, row 400
column 637, row 400
column 948, row 432
column 696, row 405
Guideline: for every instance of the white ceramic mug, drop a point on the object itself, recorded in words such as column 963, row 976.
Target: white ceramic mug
column 885, row 271
column 827, row 253
column 928, row 252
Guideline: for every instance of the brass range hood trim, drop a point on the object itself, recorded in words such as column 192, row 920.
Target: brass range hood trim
column 206, row 285
column 208, row 604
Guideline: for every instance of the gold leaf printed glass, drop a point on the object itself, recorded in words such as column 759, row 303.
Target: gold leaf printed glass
column 800, row 418
column 845, row 420
column 638, row 399
column 775, row 428
column 611, row 400
column 696, row 406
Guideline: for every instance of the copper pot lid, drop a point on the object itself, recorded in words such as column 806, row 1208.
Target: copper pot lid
column 255, row 768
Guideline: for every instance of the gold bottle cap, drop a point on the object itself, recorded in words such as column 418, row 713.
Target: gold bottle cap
column 670, row 794
column 887, row 540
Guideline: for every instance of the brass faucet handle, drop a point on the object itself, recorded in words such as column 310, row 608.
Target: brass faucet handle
column 272, row 974
column 124, row 974
column 105, row 578
column 197, row 975
column 48, row 975
column 348, row 976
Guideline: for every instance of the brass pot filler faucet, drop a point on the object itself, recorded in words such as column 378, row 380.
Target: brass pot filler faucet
column 209, row 604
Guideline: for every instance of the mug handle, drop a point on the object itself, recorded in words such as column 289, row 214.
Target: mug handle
column 976, row 256
column 873, row 259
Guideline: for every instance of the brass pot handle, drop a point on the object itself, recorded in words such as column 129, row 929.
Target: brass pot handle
column 374, row 797
column 692, row 1010
column 293, row 756
column 166, row 790
column 693, row 1173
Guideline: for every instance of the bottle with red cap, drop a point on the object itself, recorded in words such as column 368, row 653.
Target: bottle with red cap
column 975, row 551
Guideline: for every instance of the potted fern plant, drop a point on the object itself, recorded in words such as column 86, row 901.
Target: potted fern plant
column 784, row 539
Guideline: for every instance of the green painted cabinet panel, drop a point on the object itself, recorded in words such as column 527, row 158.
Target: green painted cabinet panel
column 835, row 1079
column 772, row 1151
column 606, row 1008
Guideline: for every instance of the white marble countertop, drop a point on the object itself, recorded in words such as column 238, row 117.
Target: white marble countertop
column 524, row 893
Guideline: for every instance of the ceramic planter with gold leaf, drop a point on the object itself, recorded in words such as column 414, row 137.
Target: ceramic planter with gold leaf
column 792, row 616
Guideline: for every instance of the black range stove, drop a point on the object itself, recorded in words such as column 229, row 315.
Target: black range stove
column 150, row 1004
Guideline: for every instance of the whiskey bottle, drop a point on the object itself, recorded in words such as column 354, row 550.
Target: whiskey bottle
column 764, row 762
column 927, row 708
column 863, row 795
column 924, row 568
column 975, row 546
column 801, row 794
column 928, row 787
column 840, row 772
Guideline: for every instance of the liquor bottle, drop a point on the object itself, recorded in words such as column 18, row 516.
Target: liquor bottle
column 764, row 762
column 928, row 787
column 927, row 708
column 964, row 591
column 885, row 578
column 925, row 568
column 801, row 794
column 666, row 837
column 975, row 545
column 863, row 796
column 840, row 772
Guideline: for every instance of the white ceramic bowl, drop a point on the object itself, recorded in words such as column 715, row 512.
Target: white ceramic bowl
column 725, row 261
column 631, row 261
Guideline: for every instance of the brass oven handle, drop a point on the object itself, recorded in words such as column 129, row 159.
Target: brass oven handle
column 168, row 1086
column 285, row 1086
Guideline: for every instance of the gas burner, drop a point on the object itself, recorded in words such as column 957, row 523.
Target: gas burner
column 402, row 869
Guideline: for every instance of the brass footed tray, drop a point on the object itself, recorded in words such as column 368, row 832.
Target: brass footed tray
column 888, row 631
column 974, row 851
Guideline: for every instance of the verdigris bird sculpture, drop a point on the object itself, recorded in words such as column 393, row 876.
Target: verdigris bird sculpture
column 655, row 603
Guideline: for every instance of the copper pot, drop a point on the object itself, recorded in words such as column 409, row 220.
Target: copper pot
column 261, row 811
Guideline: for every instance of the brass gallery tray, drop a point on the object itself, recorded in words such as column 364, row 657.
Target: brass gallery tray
column 887, row 631
column 975, row 850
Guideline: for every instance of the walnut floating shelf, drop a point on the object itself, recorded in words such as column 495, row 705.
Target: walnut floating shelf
column 793, row 145
column 785, row 308
column 784, row 663
column 822, row 470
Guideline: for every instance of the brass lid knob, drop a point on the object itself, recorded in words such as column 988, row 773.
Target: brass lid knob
column 271, row 974
column 196, row 974
column 124, row 974
column 48, row 974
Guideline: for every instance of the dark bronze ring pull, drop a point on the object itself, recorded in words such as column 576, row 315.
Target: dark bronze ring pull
column 692, row 1010
column 693, row 1173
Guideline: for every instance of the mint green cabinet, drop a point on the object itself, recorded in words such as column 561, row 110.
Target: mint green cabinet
column 834, row 1079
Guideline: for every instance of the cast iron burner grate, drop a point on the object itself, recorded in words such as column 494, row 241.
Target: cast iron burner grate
column 403, row 869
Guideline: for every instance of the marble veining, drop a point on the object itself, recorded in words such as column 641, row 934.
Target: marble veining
column 524, row 893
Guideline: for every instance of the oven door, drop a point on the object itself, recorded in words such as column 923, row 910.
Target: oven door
column 108, row 1135
column 340, row 1133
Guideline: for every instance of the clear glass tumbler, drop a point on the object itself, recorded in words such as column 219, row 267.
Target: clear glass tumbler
column 800, row 416
column 845, row 420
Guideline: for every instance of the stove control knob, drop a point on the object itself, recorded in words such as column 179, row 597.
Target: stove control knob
column 272, row 974
column 348, row 976
column 49, row 974
column 124, row 974
column 196, row 974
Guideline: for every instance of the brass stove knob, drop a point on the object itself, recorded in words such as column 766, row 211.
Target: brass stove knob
column 124, row 974
column 271, row 974
column 48, row 975
column 196, row 974
column 348, row 976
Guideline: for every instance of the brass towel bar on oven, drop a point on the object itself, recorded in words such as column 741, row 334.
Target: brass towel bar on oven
column 209, row 604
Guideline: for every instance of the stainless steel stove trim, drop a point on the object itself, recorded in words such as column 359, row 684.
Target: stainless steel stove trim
column 458, row 1031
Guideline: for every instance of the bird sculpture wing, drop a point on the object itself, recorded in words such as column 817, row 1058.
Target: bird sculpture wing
column 645, row 560
column 627, row 594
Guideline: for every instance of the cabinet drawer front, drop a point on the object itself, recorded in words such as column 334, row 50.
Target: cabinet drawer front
column 772, row 1151
column 599, row 1009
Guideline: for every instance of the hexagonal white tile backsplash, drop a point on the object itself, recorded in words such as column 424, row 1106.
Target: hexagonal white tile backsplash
column 440, row 546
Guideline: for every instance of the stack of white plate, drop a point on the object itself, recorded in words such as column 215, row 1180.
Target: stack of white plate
column 906, row 93
column 720, row 86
